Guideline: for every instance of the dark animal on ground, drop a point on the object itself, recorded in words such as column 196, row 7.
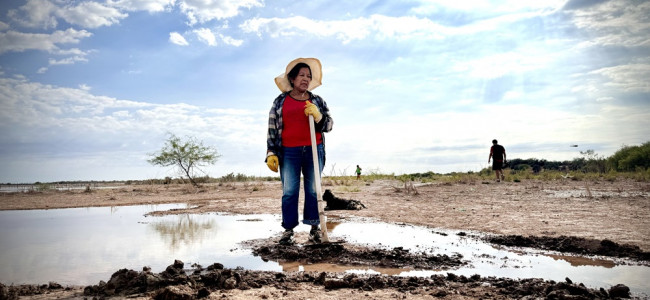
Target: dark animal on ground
column 336, row 203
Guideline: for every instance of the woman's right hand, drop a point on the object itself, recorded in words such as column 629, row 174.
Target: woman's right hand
column 272, row 162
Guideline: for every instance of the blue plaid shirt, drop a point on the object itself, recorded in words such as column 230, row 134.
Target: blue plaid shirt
column 274, row 136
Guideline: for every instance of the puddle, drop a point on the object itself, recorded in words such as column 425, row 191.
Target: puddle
column 82, row 246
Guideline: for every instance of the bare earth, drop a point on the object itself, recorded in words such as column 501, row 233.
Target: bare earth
column 618, row 211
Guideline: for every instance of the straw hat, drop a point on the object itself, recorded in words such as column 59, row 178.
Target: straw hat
column 282, row 81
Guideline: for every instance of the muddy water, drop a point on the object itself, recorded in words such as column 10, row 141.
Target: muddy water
column 82, row 246
column 488, row 260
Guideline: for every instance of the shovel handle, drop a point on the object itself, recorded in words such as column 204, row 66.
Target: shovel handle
column 319, row 194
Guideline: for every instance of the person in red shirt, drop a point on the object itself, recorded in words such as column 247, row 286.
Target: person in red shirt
column 289, row 142
column 497, row 152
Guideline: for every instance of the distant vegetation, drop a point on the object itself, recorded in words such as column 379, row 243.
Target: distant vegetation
column 632, row 162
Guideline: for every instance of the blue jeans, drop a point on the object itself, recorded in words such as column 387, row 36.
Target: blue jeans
column 295, row 160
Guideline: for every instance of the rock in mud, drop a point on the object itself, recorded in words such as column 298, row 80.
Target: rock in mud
column 619, row 291
column 575, row 245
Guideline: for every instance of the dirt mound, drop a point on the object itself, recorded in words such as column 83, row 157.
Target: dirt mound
column 571, row 244
column 175, row 283
column 14, row 292
column 336, row 253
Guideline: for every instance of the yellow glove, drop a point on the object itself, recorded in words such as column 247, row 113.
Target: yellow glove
column 312, row 109
column 272, row 162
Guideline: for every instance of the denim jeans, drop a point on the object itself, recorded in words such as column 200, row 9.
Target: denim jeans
column 295, row 160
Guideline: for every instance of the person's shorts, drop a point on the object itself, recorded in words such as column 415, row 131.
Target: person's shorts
column 497, row 164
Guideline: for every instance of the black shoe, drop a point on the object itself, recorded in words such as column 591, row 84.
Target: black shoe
column 287, row 237
column 314, row 235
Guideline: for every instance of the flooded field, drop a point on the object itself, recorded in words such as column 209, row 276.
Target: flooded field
column 81, row 246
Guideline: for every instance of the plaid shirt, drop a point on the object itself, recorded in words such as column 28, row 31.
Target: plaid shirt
column 274, row 136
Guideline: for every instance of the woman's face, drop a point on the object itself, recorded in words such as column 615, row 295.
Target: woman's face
column 302, row 80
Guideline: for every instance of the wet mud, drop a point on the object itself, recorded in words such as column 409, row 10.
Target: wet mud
column 575, row 245
column 195, row 282
column 176, row 282
column 336, row 253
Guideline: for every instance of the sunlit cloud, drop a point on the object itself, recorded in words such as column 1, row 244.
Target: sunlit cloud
column 178, row 39
column 205, row 35
column 13, row 41
column 198, row 11
column 375, row 26
column 629, row 78
column 617, row 23
column 146, row 5
column 45, row 14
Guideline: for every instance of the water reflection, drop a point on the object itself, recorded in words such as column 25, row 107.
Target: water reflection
column 578, row 261
column 86, row 245
column 294, row 266
column 184, row 231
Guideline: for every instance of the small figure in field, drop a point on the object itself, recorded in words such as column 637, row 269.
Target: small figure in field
column 497, row 152
column 358, row 172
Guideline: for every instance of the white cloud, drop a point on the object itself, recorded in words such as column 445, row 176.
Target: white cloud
column 205, row 35
column 91, row 15
column 500, row 64
column 178, row 39
column 376, row 26
column 68, row 60
column 629, row 78
column 35, row 13
column 44, row 14
column 4, row 26
column 74, row 123
column 201, row 11
column 230, row 41
column 486, row 7
column 18, row 41
column 617, row 23
column 146, row 5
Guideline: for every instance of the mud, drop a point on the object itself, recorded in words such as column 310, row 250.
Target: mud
column 604, row 218
column 176, row 282
column 337, row 253
column 575, row 245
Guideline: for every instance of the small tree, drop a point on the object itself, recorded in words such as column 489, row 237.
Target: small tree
column 593, row 162
column 185, row 154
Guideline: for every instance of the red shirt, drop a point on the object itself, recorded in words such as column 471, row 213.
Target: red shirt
column 295, row 131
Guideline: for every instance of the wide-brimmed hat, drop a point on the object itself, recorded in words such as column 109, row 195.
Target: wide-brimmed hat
column 282, row 81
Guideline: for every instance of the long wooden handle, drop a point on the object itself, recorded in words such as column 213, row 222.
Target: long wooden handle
column 319, row 194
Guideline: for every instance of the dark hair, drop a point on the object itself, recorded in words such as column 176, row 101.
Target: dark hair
column 294, row 72
column 494, row 142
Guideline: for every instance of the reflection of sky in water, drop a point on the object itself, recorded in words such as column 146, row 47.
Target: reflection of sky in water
column 487, row 260
column 86, row 245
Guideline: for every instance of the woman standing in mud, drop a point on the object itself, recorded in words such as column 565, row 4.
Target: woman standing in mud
column 288, row 142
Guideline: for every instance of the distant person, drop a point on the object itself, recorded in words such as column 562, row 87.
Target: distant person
column 358, row 172
column 497, row 152
column 288, row 142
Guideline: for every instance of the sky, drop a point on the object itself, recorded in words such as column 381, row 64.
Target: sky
column 90, row 90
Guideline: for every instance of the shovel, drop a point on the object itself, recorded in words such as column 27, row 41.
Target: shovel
column 319, row 195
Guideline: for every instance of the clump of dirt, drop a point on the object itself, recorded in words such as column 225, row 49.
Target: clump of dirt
column 571, row 244
column 177, row 283
column 336, row 253
column 14, row 292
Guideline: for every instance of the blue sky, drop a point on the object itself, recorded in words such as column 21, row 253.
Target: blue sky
column 89, row 89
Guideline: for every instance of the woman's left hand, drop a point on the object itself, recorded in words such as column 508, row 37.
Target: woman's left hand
column 312, row 109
